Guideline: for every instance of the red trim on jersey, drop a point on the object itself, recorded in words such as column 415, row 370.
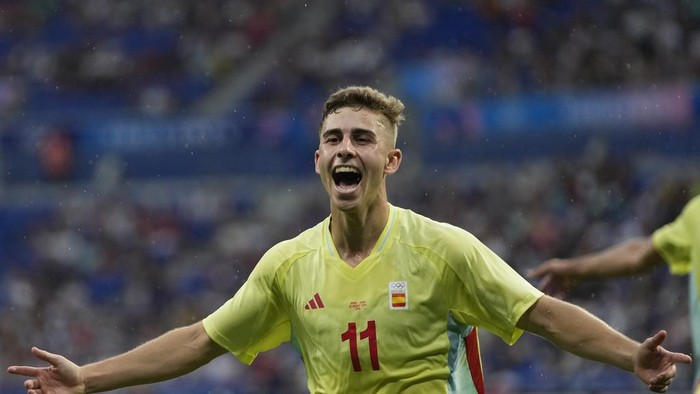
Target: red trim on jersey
column 471, row 343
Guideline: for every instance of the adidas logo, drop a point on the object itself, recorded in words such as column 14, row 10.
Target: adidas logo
column 314, row 303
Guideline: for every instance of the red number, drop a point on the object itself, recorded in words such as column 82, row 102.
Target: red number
column 350, row 335
column 370, row 333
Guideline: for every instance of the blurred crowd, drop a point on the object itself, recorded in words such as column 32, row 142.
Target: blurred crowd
column 91, row 275
column 152, row 56
column 446, row 50
column 163, row 56
column 90, row 272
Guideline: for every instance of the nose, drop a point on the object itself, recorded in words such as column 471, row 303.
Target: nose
column 346, row 149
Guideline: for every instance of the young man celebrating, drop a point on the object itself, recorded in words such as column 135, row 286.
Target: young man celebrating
column 376, row 298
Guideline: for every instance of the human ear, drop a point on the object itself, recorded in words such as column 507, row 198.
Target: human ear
column 393, row 161
column 316, row 156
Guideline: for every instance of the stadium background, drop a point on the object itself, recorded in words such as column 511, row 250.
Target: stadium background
column 151, row 151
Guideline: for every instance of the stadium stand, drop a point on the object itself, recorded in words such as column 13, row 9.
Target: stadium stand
column 151, row 151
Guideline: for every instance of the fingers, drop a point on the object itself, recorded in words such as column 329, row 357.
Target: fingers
column 539, row 271
column 545, row 282
column 681, row 358
column 661, row 383
column 534, row 272
column 659, row 389
column 549, row 285
column 655, row 341
column 664, row 378
column 50, row 358
column 23, row 370
column 32, row 384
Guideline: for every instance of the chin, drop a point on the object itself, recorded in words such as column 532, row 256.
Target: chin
column 345, row 205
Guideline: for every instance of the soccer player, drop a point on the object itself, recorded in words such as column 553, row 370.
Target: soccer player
column 677, row 244
column 377, row 298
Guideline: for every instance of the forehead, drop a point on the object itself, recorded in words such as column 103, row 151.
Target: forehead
column 348, row 118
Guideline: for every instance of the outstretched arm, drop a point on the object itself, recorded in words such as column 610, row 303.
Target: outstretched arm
column 577, row 331
column 174, row 353
column 559, row 276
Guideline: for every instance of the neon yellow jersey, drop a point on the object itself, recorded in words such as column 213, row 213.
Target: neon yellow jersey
column 679, row 244
column 401, row 321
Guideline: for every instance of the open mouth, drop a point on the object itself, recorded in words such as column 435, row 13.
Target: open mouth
column 346, row 176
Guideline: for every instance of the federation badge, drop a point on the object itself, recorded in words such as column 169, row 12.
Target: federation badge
column 398, row 295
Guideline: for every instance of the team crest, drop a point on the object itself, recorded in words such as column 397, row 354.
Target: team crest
column 398, row 295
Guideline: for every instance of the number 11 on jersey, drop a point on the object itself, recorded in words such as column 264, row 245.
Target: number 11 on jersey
column 370, row 334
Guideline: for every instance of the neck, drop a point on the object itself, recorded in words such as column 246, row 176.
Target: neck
column 355, row 233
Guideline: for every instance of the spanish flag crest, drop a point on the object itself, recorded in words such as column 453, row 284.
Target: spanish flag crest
column 398, row 295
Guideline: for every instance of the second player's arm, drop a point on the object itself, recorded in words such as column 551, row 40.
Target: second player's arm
column 558, row 276
column 174, row 353
column 627, row 258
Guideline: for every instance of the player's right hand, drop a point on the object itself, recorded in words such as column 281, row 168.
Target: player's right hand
column 61, row 377
column 554, row 277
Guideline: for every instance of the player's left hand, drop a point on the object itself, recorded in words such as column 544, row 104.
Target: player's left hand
column 656, row 366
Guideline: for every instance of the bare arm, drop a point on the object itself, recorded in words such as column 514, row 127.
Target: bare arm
column 173, row 354
column 577, row 331
column 558, row 276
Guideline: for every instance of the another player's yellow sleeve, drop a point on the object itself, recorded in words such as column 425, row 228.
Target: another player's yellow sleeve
column 483, row 290
column 253, row 320
column 674, row 240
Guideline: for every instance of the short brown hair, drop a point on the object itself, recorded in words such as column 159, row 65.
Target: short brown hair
column 366, row 97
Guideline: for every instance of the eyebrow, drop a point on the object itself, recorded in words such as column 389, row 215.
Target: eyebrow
column 354, row 131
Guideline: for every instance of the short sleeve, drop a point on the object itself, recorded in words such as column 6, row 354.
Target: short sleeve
column 674, row 240
column 484, row 291
column 253, row 320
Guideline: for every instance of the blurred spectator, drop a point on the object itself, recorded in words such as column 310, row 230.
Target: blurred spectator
column 56, row 155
